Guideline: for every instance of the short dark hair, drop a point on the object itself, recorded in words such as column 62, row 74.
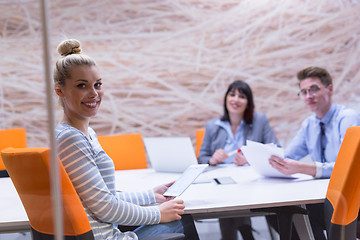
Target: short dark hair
column 244, row 88
column 317, row 72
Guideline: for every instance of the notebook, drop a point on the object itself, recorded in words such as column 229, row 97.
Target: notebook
column 170, row 154
column 185, row 180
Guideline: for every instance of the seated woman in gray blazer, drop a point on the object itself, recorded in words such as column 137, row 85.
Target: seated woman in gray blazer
column 229, row 132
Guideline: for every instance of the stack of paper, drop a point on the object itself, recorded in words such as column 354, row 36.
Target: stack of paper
column 258, row 154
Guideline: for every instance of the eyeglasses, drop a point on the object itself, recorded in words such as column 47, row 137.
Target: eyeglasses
column 311, row 90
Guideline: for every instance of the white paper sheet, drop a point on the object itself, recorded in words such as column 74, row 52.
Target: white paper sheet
column 258, row 154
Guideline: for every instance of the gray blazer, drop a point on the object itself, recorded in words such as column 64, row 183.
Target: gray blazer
column 215, row 136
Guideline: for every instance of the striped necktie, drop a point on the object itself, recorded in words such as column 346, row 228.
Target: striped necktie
column 322, row 141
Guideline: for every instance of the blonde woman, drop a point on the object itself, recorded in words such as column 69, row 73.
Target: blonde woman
column 79, row 86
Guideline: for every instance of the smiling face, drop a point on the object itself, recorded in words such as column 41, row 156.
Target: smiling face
column 318, row 101
column 236, row 102
column 82, row 93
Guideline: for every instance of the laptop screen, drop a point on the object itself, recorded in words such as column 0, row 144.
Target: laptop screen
column 170, row 154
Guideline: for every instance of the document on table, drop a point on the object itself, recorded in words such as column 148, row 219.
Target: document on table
column 258, row 154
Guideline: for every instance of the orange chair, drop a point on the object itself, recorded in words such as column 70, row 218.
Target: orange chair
column 199, row 139
column 343, row 195
column 126, row 150
column 29, row 171
column 15, row 137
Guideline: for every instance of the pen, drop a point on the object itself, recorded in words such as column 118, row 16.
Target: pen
column 233, row 152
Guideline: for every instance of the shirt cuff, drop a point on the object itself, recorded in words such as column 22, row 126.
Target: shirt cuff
column 318, row 173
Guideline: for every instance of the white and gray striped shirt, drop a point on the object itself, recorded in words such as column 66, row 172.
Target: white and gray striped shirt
column 93, row 175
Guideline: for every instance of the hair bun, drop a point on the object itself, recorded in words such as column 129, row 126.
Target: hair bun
column 69, row 46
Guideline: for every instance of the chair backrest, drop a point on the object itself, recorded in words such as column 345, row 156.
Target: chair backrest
column 29, row 171
column 15, row 137
column 343, row 194
column 126, row 150
column 199, row 139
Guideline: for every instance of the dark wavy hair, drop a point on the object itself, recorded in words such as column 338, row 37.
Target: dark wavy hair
column 245, row 89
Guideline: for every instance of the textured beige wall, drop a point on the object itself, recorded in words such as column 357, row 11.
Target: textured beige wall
column 166, row 64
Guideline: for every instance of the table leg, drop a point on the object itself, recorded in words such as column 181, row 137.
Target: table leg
column 303, row 227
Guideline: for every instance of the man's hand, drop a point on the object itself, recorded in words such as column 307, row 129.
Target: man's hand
column 286, row 166
column 289, row 166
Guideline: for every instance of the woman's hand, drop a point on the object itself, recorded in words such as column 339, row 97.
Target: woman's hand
column 218, row 157
column 159, row 191
column 240, row 159
column 171, row 210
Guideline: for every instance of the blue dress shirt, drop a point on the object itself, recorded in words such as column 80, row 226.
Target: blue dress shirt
column 216, row 137
column 232, row 142
column 307, row 140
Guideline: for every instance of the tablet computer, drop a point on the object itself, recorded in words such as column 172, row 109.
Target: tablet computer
column 185, row 180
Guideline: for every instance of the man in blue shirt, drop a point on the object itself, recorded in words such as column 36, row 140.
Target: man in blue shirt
column 320, row 136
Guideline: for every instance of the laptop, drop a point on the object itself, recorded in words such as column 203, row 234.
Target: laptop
column 170, row 154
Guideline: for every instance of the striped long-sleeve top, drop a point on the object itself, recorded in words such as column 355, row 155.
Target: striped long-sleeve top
column 92, row 173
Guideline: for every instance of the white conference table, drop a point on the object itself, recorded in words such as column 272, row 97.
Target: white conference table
column 203, row 199
column 13, row 217
column 250, row 191
column 206, row 199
